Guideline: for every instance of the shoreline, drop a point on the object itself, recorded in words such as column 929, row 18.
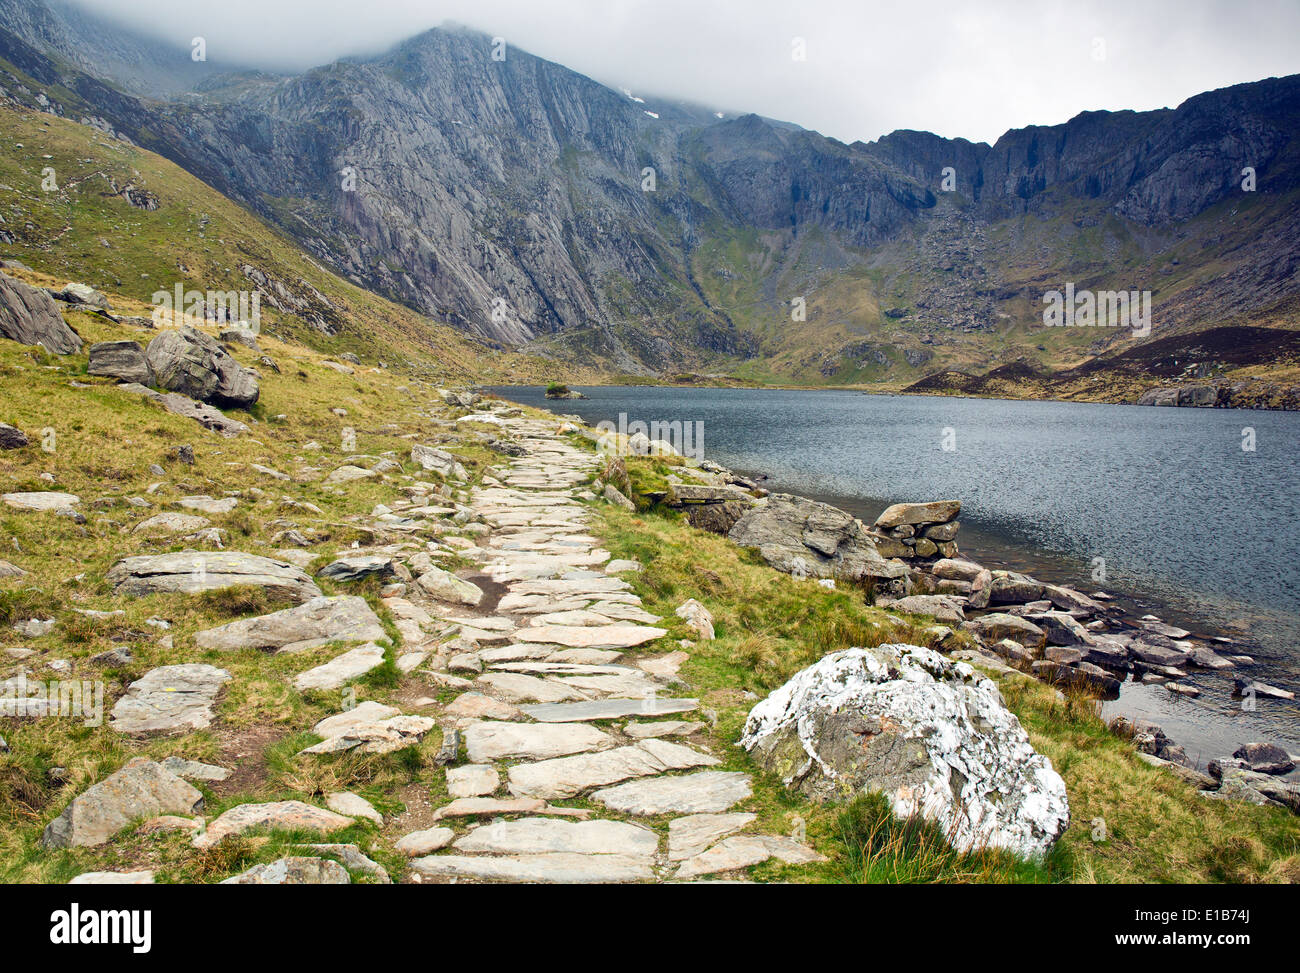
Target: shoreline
column 1154, row 391
column 1136, row 697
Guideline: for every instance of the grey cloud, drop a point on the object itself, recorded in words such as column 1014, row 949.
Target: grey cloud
column 871, row 67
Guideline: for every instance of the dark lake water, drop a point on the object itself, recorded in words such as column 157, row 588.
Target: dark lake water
column 1186, row 522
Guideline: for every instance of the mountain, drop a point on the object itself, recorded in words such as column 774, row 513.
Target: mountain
column 511, row 199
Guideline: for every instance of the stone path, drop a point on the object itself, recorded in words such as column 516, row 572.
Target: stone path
column 542, row 663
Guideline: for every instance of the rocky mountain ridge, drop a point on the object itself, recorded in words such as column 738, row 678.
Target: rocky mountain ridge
column 527, row 204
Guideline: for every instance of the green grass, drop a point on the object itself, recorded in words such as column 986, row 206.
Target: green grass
column 769, row 626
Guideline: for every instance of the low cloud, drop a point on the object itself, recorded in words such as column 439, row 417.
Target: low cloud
column 869, row 68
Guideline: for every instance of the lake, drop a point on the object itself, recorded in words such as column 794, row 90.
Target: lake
column 1164, row 504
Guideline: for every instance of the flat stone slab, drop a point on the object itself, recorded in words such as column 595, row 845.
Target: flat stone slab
column 569, row 776
column 667, row 728
column 346, row 618
column 191, row 572
column 532, row 836
column 472, row 780
column 209, row 505
column 742, row 851
column 693, row 834
column 476, row 807
column 707, row 792
column 171, row 699
column 171, row 522
column 113, row 878
column 366, row 712
column 194, row 770
column 337, row 672
column 489, row 741
column 592, row 636
column 562, row 868
column 354, row 806
column 140, row 789
column 516, row 687
column 476, row 706
column 40, row 500
column 424, row 842
column 280, row 815
column 590, row 657
column 607, row 709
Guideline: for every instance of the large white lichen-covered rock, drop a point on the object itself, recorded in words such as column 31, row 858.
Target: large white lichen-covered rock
column 932, row 735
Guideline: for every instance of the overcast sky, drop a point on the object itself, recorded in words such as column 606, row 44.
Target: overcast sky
column 959, row 69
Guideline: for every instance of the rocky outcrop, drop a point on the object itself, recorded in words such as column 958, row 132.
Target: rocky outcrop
column 192, row 363
column 141, row 789
column 930, row 734
column 30, row 317
column 811, row 539
column 194, row 571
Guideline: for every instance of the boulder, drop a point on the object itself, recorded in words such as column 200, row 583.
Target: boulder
column 697, row 617
column 445, row 586
column 1247, row 785
column 716, row 518
column 932, row 735
column 354, row 567
column 205, row 415
column 811, row 539
column 122, row 360
column 195, row 571
column 240, row 336
column 613, row 495
column 140, row 789
column 438, row 461
column 30, row 317
column 346, row 618
column 1061, row 629
column 981, row 588
column 999, row 625
column 1012, row 588
column 936, row 512
column 192, row 363
column 1265, row 758
column 11, row 437
column 74, row 293
column 942, row 608
column 953, row 569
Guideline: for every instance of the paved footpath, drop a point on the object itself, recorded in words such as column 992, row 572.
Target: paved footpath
column 570, row 698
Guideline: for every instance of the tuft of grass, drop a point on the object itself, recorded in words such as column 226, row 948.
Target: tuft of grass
column 881, row 847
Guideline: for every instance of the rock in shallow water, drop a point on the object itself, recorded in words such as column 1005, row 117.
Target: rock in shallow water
column 932, row 735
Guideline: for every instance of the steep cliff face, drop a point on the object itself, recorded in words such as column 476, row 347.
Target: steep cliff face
column 530, row 205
